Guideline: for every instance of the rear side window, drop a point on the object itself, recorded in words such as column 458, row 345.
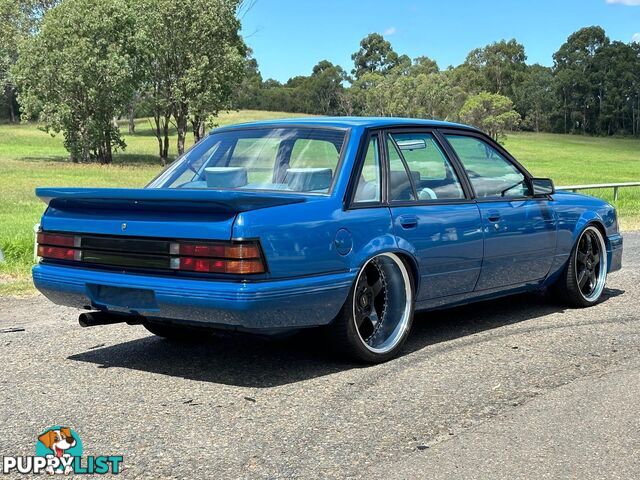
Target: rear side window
column 433, row 176
column 400, row 186
column 491, row 174
column 369, row 184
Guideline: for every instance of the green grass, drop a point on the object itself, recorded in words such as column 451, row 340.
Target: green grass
column 31, row 158
column 578, row 160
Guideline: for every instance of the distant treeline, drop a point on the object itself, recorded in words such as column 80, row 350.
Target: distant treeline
column 593, row 86
column 76, row 66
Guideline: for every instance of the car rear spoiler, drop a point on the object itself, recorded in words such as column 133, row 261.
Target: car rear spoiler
column 163, row 199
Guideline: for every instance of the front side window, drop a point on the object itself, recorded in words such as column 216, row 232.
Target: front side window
column 491, row 174
column 288, row 159
column 433, row 176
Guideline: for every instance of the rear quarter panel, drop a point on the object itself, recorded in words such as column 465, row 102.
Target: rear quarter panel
column 316, row 237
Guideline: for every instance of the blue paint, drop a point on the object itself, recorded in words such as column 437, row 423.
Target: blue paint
column 343, row 241
column 314, row 245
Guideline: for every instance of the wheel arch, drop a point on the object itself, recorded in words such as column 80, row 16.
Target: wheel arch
column 412, row 265
column 407, row 258
column 594, row 221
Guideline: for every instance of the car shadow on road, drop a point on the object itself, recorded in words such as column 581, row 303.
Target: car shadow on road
column 256, row 362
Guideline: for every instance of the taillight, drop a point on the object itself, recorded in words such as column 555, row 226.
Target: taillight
column 233, row 258
column 59, row 246
column 233, row 250
column 58, row 240
column 59, row 253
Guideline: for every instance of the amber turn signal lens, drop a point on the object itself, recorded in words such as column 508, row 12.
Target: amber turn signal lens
column 234, row 251
column 245, row 266
column 242, row 250
column 211, row 265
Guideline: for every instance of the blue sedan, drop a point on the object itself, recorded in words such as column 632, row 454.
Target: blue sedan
column 349, row 224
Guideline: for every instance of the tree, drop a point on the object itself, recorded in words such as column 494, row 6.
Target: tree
column 249, row 91
column 375, row 55
column 535, row 98
column 635, row 100
column 367, row 94
column 325, row 87
column 423, row 65
column 490, row 112
column 617, row 70
column 575, row 72
column 500, row 65
column 78, row 72
column 195, row 61
column 19, row 19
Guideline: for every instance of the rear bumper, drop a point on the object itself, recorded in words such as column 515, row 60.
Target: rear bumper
column 291, row 303
column 614, row 252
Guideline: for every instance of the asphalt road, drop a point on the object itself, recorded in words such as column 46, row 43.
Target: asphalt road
column 516, row 388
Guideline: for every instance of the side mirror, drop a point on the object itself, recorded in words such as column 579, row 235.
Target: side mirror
column 542, row 187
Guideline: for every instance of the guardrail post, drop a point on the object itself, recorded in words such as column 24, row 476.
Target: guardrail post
column 615, row 194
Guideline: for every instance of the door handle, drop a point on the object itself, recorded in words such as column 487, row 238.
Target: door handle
column 409, row 221
column 493, row 216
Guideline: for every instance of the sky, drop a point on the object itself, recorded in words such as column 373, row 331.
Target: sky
column 289, row 37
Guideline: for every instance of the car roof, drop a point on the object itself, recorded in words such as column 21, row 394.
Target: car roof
column 350, row 122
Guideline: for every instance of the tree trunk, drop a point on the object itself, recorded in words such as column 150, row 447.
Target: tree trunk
column 12, row 112
column 565, row 111
column 109, row 158
column 132, row 118
column 161, row 132
column 106, row 154
column 157, row 132
column 86, row 154
column 638, row 116
column 198, row 127
column 181, row 125
column 10, row 96
column 165, row 146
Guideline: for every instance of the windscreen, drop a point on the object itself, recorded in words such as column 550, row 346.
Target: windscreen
column 293, row 159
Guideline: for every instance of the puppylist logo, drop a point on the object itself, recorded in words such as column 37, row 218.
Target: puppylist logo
column 59, row 450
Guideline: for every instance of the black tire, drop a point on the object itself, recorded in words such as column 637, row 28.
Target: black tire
column 176, row 333
column 396, row 307
column 582, row 282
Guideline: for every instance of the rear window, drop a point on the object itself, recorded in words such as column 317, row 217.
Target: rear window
column 289, row 159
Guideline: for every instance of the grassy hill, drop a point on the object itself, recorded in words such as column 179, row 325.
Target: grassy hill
column 30, row 158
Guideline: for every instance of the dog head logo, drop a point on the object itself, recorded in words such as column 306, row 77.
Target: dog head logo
column 58, row 441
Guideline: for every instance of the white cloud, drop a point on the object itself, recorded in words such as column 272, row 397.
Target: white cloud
column 631, row 3
column 636, row 37
column 392, row 30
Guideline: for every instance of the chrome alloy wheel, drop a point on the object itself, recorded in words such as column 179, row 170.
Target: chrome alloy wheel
column 591, row 264
column 382, row 303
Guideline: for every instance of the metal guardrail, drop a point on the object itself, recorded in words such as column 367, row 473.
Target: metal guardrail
column 615, row 186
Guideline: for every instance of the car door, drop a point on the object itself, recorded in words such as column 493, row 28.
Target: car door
column 519, row 230
column 433, row 214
